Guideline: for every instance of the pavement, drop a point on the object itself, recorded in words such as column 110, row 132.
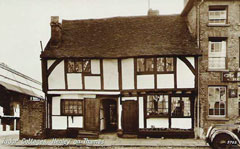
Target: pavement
column 11, row 140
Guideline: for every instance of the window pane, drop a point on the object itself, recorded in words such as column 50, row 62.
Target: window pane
column 78, row 65
column 86, row 66
column 73, row 107
column 157, row 105
column 169, row 64
column 181, row 106
column 160, row 64
column 70, row 65
column 149, row 64
column 140, row 65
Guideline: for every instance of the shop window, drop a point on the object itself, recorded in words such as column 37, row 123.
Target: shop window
column 145, row 65
column 217, row 54
column 217, row 15
column 180, row 107
column 78, row 66
column 157, row 105
column 165, row 64
column 72, row 107
column 217, row 101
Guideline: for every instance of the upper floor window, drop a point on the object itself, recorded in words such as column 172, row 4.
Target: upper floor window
column 217, row 53
column 145, row 64
column 165, row 64
column 217, row 101
column 217, row 14
column 78, row 65
column 72, row 107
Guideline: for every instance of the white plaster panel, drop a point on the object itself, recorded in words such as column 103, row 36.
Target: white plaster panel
column 56, row 106
column 1, row 111
column 92, row 82
column 77, row 96
column 185, row 77
column 74, row 80
column 165, row 81
column 157, row 123
column 119, row 114
column 75, row 122
column 191, row 60
column 49, row 63
column 145, row 81
column 129, row 98
column 110, row 74
column 141, row 112
column 95, row 66
column 128, row 73
column 182, row 123
column 59, row 122
column 56, row 80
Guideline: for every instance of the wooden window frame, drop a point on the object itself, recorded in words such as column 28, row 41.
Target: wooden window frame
column 226, row 102
column 145, row 72
column 71, row 100
column 82, row 65
column 218, row 8
column 165, row 66
column 191, row 106
column 217, row 39
column 157, row 116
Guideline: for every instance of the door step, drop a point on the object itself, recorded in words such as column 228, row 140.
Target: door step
column 129, row 136
column 87, row 134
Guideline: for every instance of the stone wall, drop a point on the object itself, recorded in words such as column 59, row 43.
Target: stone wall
column 32, row 119
column 207, row 77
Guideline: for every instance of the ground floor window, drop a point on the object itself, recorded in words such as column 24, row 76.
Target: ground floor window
column 72, row 107
column 217, row 100
column 181, row 107
column 157, row 105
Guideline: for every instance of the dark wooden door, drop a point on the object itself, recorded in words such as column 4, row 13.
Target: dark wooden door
column 130, row 116
column 91, row 114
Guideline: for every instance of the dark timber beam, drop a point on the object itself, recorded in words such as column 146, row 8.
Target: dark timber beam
column 49, row 71
column 190, row 66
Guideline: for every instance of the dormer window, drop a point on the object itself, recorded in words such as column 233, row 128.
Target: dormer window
column 218, row 15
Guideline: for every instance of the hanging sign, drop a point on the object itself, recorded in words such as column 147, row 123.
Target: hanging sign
column 232, row 76
column 233, row 93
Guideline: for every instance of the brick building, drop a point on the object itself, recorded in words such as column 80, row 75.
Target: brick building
column 215, row 25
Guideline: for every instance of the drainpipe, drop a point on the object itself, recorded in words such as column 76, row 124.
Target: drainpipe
column 198, row 42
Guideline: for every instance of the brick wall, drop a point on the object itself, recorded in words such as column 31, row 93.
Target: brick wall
column 32, row 119
column 206, row 78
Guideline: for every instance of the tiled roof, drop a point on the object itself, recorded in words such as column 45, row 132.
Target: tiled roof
column 124, row 37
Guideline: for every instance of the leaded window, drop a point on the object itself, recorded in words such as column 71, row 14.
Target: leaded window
column 157, row 105
column 78, row 66
column 165, row 64
column 72, row 107
column 217, row 101
column 145, row 64
column 180, row 107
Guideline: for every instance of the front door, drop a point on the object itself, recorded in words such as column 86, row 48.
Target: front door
column 130, row 116
column 91, row 117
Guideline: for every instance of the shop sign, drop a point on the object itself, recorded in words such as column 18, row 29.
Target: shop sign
column 232, row 76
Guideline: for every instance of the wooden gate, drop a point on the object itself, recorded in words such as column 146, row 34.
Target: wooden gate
column 91, row 114
column 130, row 116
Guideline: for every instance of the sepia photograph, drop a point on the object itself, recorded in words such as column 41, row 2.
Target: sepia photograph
column 120, row 74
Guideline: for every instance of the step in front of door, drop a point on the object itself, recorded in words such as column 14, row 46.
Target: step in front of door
column 88, row 134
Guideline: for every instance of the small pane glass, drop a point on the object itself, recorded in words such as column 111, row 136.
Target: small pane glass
column 160, row 64
column 169, row 64
column 140, row 65
column 86, row 65
column 70, row 66
column 78, row 65
column 149, row 64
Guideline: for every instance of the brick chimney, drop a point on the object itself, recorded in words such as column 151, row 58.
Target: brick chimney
column 152, row 12
column 56, row 31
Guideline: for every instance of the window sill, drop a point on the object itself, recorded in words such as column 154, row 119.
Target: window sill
column 218, row 25
column 217, row 118
column 218, row 70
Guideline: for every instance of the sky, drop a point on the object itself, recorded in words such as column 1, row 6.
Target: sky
column 24, row 23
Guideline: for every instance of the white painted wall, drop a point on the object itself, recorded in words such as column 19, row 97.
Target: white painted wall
column 74, row 80
column 75, row 122
column 129, row 98
column 92, row 82
column 145, row 81
column 1, row 111
column 191, row 60
column 110, row 74
column 182, row 123
column 77, row 96
column 165, row 81
column 157, row 123
column 185, row 77
column 119, row 114
column 128, row 73
column 56, row 80
column 49, row 63
column 59, row 122
column 141, row 112
column 95, row 66
column 56, row 106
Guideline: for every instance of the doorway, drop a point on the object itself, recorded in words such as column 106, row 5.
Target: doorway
column 108, row 115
